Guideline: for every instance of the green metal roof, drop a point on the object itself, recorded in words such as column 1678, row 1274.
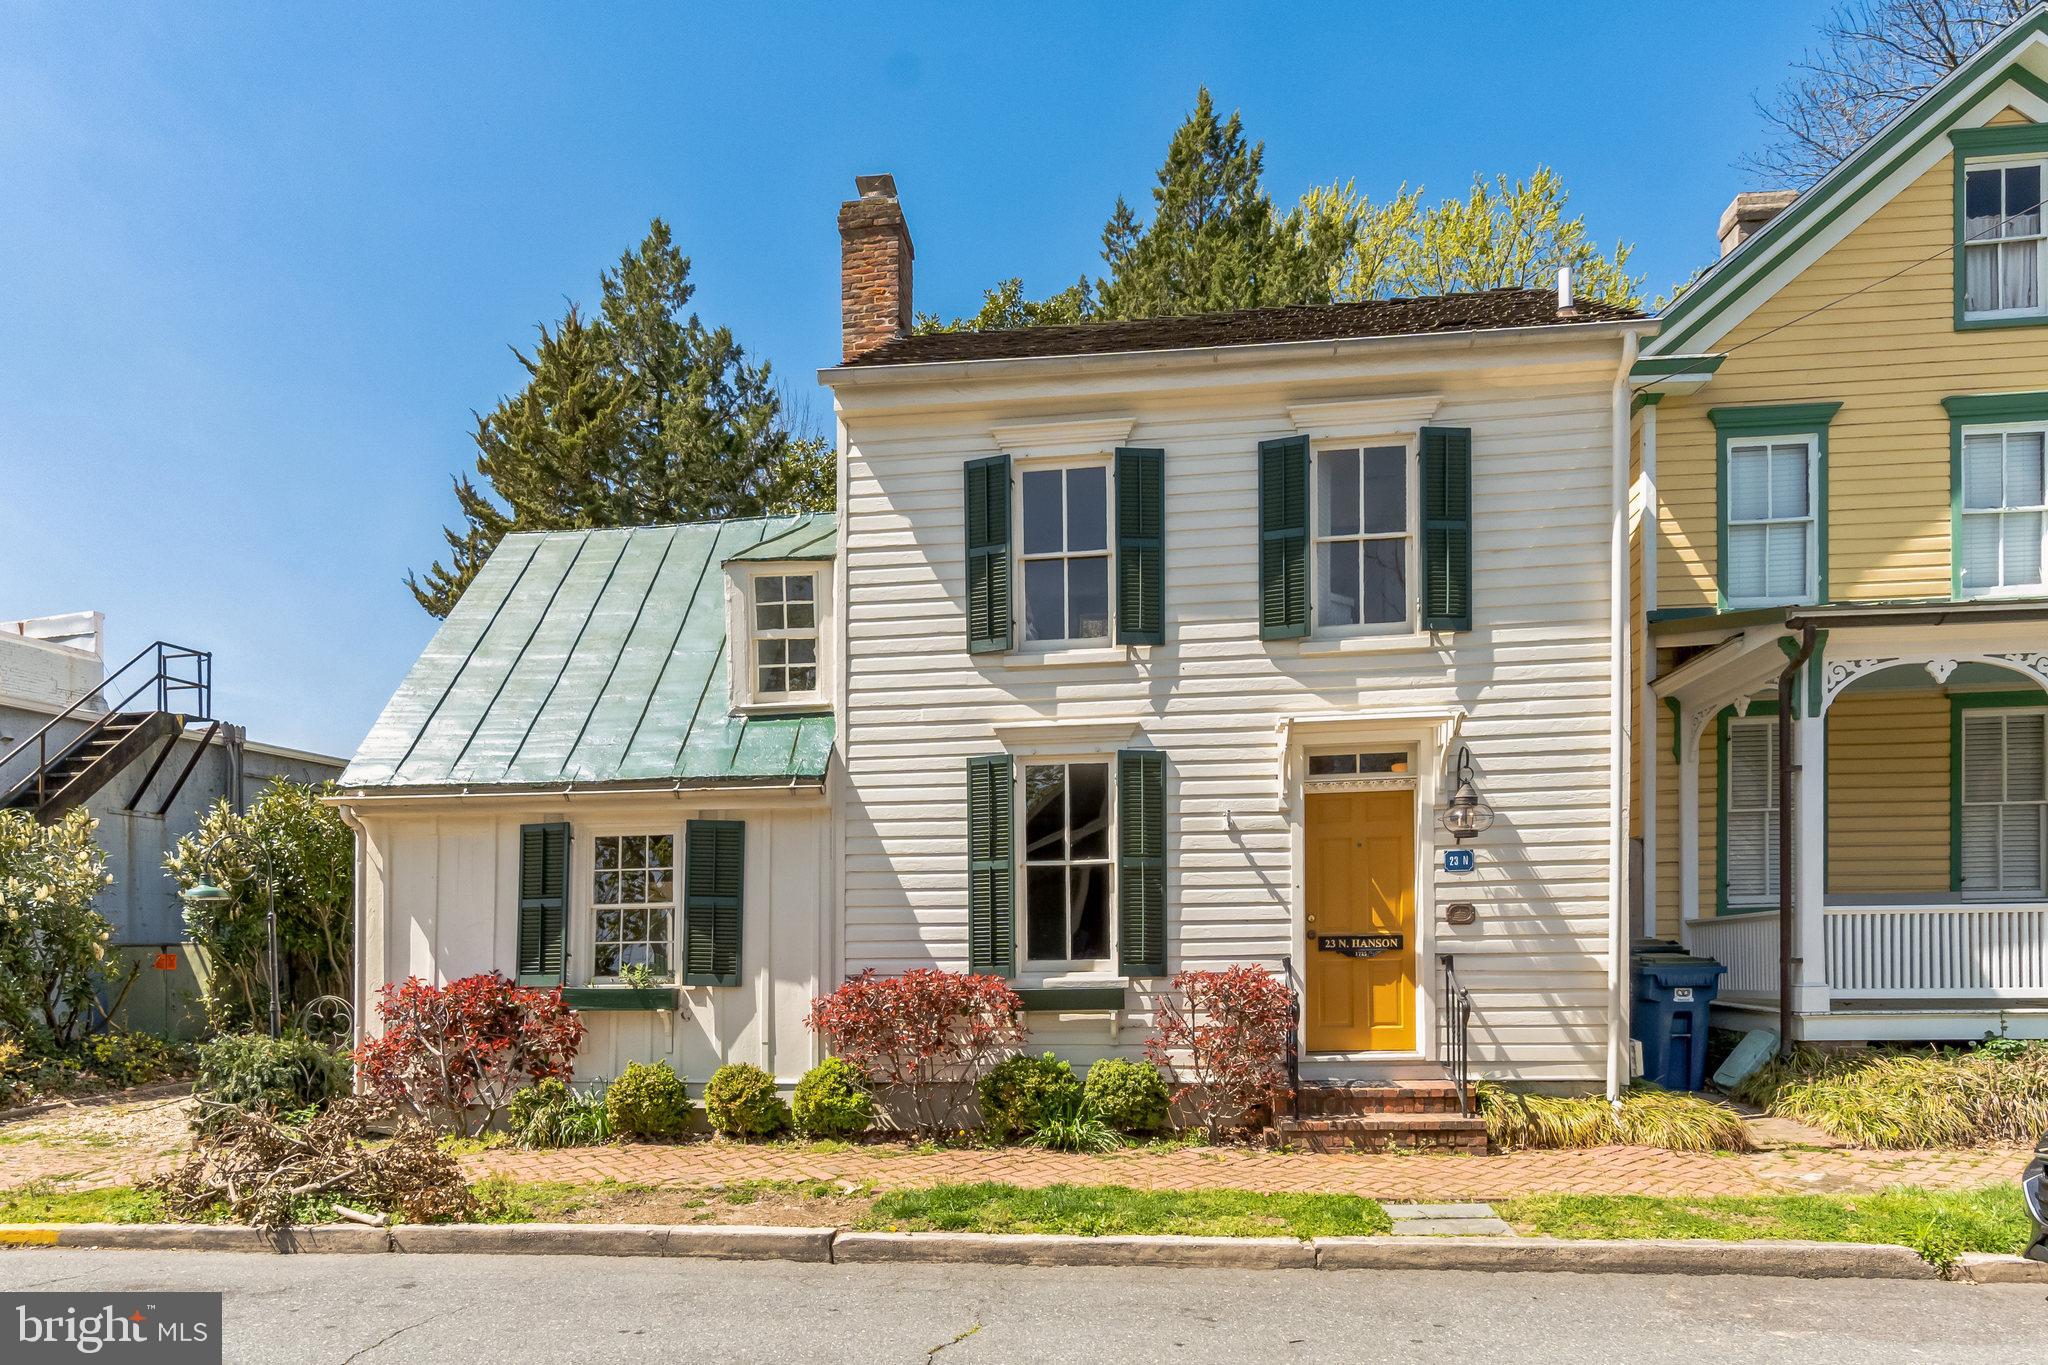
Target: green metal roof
column 593, row 657
column 812, row 537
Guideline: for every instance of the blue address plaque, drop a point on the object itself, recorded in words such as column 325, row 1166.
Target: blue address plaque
column 1459, row 860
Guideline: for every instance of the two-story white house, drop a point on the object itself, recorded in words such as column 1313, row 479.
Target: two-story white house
column 1140, row 647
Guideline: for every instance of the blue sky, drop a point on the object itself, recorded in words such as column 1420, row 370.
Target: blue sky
column 259, row 264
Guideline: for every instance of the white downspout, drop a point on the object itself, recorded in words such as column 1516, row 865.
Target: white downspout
column 1619, row 731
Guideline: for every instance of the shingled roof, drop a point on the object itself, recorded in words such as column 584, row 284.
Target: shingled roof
column 1483, row 310
column 594, row 657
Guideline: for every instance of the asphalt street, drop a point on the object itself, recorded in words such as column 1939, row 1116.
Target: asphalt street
column 481, row 1310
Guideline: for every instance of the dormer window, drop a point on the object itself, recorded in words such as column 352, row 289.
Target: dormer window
column 2002, row 232
column 785, row 635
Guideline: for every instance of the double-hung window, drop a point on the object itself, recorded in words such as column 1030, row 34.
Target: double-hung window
column 1065, row 553
column 1749, row 813
column 2002, row 521
column 1361, row 537
column 633, row 902
column 2005, row 804
column 2003, row 259
column 1069, row 865
column 1771, row 526
column 785, row 635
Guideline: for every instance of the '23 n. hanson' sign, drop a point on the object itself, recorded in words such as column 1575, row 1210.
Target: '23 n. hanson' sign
column 1360, row 945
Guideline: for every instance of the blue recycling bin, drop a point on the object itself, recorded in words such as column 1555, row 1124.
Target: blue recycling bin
column 1673, row 991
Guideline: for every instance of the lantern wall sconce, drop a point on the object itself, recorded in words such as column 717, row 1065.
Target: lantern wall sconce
column 1466, row 816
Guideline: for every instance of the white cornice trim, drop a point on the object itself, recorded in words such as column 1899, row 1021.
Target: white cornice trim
column 1361, row 418
column 1076, row 736
column 1062, row 436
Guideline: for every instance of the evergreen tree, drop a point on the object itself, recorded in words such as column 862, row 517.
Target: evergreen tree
column 1216, row 242
column 640, row 415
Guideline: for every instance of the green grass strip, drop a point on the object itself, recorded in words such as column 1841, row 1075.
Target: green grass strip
column 1939, row 1224
column 40, row 1203
column 1100, row 1210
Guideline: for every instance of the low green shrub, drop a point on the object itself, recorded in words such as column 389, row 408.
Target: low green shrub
column 1128, row 1096
column 550, row 1114
column 1022, row 1092
column 274, row 1076
column 132, row 1058
column 741, row 1102
column 1647, row 1117
column 647, row 1101
column 832, row 1101
column 1074, row 1126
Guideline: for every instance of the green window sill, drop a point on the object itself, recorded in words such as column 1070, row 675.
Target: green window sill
column 1964, row 324
column 1049, row 999
column 620, row 997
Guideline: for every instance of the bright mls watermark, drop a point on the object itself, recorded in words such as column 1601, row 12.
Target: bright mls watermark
column 165, row 1329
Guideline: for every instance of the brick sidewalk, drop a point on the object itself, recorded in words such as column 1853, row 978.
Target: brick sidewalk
column 1422, row 1178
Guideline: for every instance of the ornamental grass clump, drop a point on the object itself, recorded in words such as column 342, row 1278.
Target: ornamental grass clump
column 740, row 1101
column 1647, row 1116
column 1911, row 1098
column 550, row 1114
column 832, row 1101
column 926, row 1034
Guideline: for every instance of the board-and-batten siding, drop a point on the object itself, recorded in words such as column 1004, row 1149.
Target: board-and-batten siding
column 1888, row 355
column 1888, row 802
column 1533, row 674
column 441, row 898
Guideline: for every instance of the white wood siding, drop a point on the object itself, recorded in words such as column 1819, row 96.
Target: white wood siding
column 1533, row 677
column 441, row 902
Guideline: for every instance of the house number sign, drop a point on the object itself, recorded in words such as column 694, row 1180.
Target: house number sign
column 1459, row 860
column 1360, row 945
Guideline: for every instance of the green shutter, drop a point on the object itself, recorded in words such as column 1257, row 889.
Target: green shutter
column 991, row 871
column 1283, row 538
column 1140, row 547
column 1141, row 861
column 543, row 903
column 988, row 554
column 1446, row 528
column 714, row 893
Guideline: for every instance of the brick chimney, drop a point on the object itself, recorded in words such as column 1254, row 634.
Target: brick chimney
column 1747, row 214
column 874, row 267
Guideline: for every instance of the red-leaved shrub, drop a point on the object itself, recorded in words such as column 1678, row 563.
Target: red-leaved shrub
column 927, row 1031
column 1223, row 1037
column 452, row 1055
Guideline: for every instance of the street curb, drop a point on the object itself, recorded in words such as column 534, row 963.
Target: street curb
column 1980, row 1268
column 1798, row 1260
column 984, row 1248
column 729, row 1243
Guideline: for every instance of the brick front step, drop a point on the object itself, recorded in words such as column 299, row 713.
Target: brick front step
column 1344, row 1099
column 1383, row 1132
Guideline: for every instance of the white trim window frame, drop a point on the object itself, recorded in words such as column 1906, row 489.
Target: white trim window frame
column 633, row 902
column 1753, row 799
column 1348, row 532
column 1766, row 520
column 785, row 635
column 1066, row 861
column 2005, row 814
column 2003, row 242
column 1080, row 551
column 2014, row 513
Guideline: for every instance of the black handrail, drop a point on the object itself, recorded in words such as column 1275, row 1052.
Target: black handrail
column 1454, row 1032
column 1293, row 1037
column 164, row 654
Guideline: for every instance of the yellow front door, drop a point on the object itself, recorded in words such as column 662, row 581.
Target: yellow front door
column 1361, row 898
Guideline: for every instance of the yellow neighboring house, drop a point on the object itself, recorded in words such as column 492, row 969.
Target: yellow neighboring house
column 1839, row 441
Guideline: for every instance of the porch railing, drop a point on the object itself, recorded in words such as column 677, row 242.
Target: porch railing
column 1454, row 1032
column 1968, row 951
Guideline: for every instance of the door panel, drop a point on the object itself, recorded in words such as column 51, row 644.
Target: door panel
column 1360, row 879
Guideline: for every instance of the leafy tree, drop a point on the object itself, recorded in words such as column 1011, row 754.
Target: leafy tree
column 1216, row 242
column 53, row 943
column 1875, row 57
column 312, row 855
column 639, row 414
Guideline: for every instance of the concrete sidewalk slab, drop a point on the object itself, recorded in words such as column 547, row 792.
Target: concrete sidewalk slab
column 1447, row 1220
column 1236, row 1253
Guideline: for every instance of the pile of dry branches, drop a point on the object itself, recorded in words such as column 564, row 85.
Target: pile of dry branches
column 262, row 1172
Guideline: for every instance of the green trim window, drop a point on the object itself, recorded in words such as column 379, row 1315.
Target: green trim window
column 633, row 903
column 2000, row 816
column 2001, row 237
column 1771, row 489
column 1747, row 787
column 1998, row 494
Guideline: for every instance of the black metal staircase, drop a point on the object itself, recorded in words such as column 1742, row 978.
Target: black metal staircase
column 66, row 770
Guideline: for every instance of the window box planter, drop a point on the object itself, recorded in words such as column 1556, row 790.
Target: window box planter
column 1049, row 999
column 620, row 997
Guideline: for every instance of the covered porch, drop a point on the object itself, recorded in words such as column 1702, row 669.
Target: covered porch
column 1913, row 771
